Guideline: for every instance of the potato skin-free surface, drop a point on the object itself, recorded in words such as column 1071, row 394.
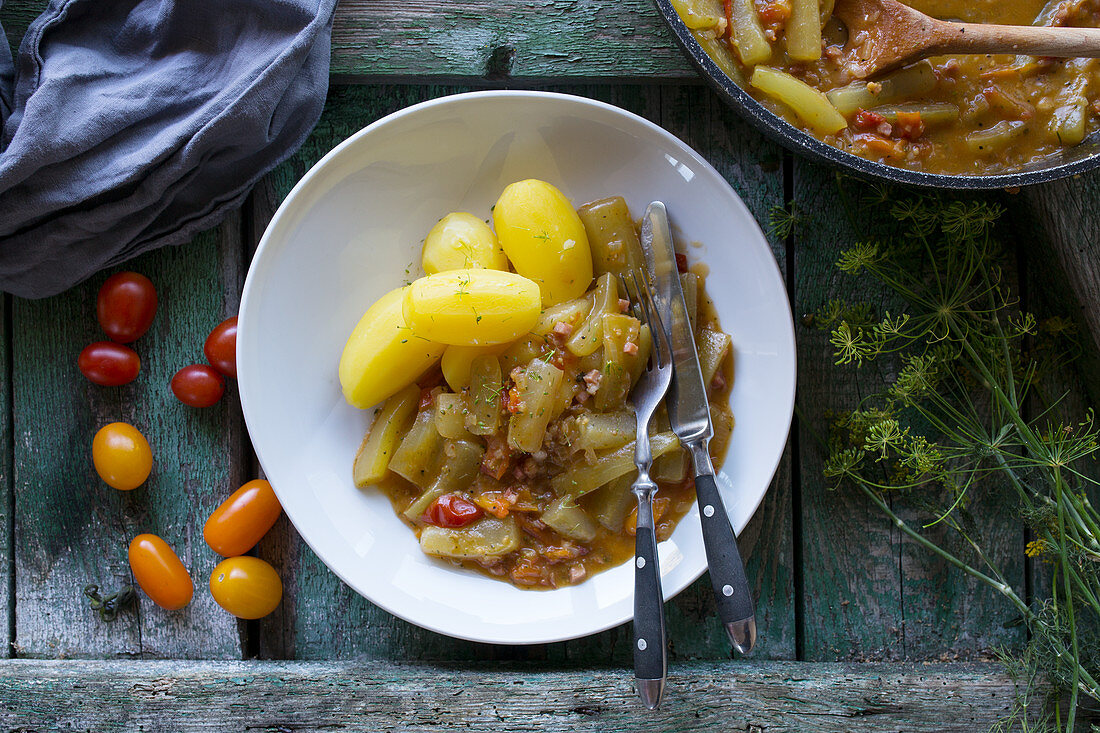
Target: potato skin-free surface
column 461, row 241
column 472, row 307
column 383, row 355
column 544, row 238
column 457, row 360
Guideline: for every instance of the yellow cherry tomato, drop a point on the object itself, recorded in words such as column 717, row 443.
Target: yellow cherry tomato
column 122, row 456
column 246, row 586
column 472, row 307
column 383, row 355
column 460, row 241
column 544, row 238
column 159, row 572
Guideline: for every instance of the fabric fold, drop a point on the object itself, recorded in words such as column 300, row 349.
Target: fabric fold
column 135, row 124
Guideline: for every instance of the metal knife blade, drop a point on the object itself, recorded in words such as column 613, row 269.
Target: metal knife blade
column 688, row 410
column 689, row 415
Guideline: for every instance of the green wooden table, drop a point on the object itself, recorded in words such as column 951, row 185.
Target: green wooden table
column 860, row 629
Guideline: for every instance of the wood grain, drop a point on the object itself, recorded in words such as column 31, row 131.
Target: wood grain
column 70, row 528
column 938, row 602
column 301, row 696
column 303, row 628
column 7, row 547
column 850, row 554
column 1062, row 221
column 394, row 40
column 869, row 593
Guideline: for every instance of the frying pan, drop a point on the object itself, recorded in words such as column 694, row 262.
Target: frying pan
column 1069, row 162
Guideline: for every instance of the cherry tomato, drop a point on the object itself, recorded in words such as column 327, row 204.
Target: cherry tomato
column 109, row 364
column 243, row 519
column 452, row 511
column 125, row 306
column 198, row 385
column 221, row 347
column 159, row 572
column 246, row 586
column 121, row 456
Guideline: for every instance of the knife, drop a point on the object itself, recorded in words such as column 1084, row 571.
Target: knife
column 689, row 415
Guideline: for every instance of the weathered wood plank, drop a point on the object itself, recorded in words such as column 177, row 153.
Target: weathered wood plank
column 851, row 595
column 304, row 627
column 70, row 528
column 536, row 39
column 1061, row 251
column 867, row 593
column 374, row 40
column 938, row 601
column 301, row 696
column 7, row 546
column 1063, row 219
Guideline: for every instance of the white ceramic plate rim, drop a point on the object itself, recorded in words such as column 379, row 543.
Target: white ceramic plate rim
column 784, row 403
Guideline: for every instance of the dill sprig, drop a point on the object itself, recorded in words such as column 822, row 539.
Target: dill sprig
column 956, row 419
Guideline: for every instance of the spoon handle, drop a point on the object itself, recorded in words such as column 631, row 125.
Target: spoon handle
column 1016, row 39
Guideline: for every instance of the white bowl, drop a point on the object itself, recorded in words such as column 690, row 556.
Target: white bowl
column 351, row 230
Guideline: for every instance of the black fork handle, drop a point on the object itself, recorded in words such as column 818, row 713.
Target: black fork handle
column 650, row 657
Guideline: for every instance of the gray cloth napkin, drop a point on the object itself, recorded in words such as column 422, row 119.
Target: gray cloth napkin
column 127, row 125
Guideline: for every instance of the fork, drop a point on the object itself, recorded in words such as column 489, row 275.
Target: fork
column 650, row 661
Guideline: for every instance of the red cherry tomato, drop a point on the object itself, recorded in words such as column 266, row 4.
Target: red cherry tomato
column 452, row 511
column 221, row 347
column 109, row 364
column 198, row 385
column 243, row 519
column 125, row 306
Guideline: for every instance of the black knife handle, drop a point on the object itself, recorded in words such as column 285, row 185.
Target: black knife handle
column 650, row 661
column 727, row 571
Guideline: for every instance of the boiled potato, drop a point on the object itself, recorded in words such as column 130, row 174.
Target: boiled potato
column 456, row 363
column 461, row 241
column 383, row 355
column 544, row 238
column 472, row 307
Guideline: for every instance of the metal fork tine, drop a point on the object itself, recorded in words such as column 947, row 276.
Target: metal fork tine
column 661, row 347
column 646, row 317
column 633, row 291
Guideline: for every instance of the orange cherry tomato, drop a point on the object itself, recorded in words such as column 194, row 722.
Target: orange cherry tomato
column 122, row 456
column 243, row 519
column 246, row 586
column 160, row 573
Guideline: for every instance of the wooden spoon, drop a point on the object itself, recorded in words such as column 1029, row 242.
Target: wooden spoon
column 884, row 34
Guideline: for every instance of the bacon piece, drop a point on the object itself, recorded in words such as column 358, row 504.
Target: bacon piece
column 865, row 119
column 910, row 125
column 497, row 458
column 592, row 379
column 563, row 329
